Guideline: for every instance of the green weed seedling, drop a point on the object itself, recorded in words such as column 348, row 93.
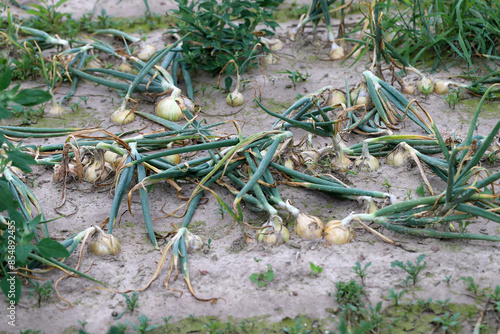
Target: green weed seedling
column 316, row 270
column 361, row 272
column 41, row 293
column 298, row 328
column 349, row 295
column 295, row 76
column 263, row 278
column 420, row 190
column 387, row 184
column 495, row 297
column 453, row 97
column 462, row 226
column 82, row 323
column 396, row 296
column 443, row 303
column 447, row 321
column 144, row 326
column 374, row 317
column 30, row 331
column 447, row 279
column 412, row 269
column 131, row 303
column 472, row 286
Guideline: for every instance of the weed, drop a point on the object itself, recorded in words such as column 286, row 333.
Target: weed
column 374, row 316
column 453, row 97
column 424, row 303
column 212, row 25
column 263, row 278
column 495, row 297
column 396, row 296
column 462, row 226
column 412, row 269
column 349, row 295
column 295, row 76
column 447, row 321
column 420, row 190
column 30, row 331
column 40, row 293
column 387, row 184
column 144, row 326
column 298, row 328
column 84, row 99
column 315, row 270
column 472, row 286
column 443, row 303
column 82, row 323
column 447, row 279
column 361, row 272
column 221, row 210
column 257, row 259
column 408, row 195
column 208, row 243
column 131, row 302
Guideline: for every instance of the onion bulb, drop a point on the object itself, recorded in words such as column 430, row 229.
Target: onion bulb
column 336, row 52
column 124, row 67
column 425, row 86
column 366, row 162
column 362, row 95
column 441, row 87
column 94, row 63
column 104, row 244
column 335, row 99
column 54, row 109
column 408, row 88
column 308, row 227
column 169, row 108
column 398, row 157
column 271, row 58
column 193, row 242
column 337, row 233
column 235, row 99
column 274, row 232
column 145, row 52
column 122, row 116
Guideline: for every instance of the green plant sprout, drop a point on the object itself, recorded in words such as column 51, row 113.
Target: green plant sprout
column 296, row 76
column 298, row 328
column 361, row 271
column 316, row 270
column 447, row 279
column 472, row 286
column 261, row 279
column 412, row 269
column 349, row 295
column 446, row 321
column 143, row 325
column 420, row 190
column 41, row 293
column 396, row 296
column 131, row 302
column 453, row 97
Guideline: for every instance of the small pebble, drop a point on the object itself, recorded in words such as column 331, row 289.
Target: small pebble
column 435, row 248
column 295, row 293
column 203, row 272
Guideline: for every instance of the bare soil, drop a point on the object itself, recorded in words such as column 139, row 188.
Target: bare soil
column 223, row 269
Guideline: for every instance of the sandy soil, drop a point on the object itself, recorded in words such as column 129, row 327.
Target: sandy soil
column 222, row 271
